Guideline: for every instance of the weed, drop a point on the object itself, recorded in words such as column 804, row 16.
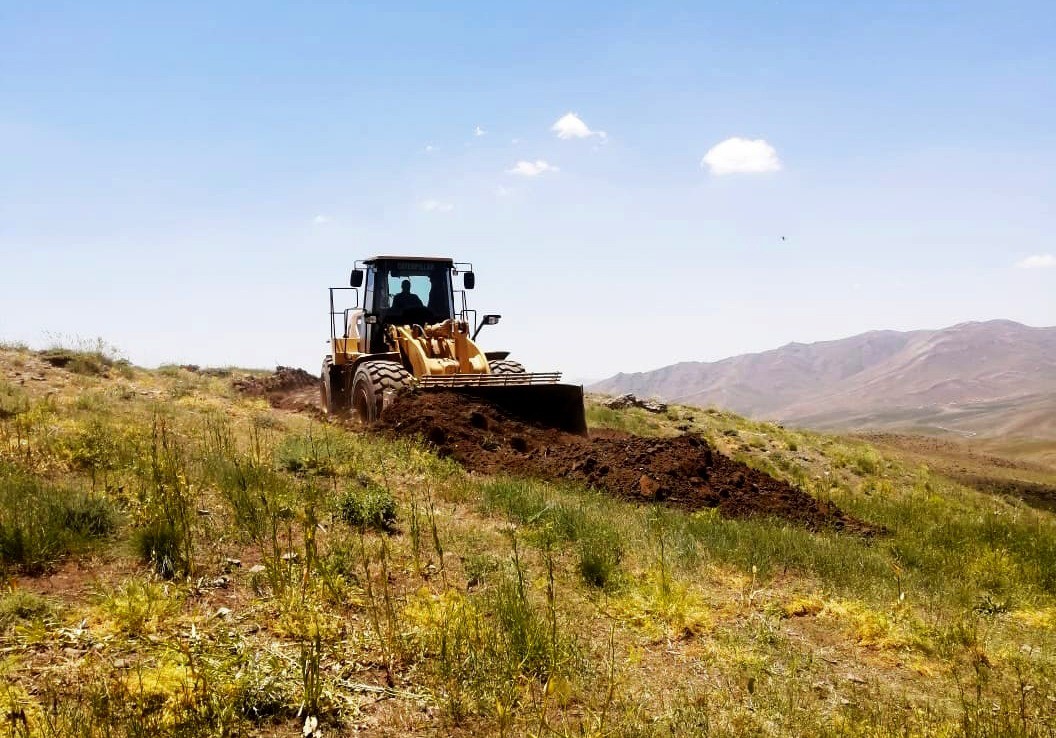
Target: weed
column 305, row 454
column 598, row 542
column 480, row 568
column 599, row 554
column 138, row 605
column 13, row 400
column 91, row 358
column 19, row 605
column 369, row 506
column 158, row 544
column 481, row 649
column 40, row 523
column 166, row 540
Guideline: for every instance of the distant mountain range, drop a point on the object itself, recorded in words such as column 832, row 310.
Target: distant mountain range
column 991, row 378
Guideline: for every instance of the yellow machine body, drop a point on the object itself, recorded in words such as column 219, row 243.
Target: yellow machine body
column 437, row 350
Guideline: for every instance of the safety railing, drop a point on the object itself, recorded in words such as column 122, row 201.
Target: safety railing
column 489, row 380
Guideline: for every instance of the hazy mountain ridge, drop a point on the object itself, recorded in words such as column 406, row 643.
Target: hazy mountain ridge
column 982, row 377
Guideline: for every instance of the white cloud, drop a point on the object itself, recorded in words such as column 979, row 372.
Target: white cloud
column 741, row 156
column 321, row 219
column 435, row 206
column 1038, row 261
column 478, row 131
column 532, row 168
column 501, row 191
column 571, row 125
column 429, row 148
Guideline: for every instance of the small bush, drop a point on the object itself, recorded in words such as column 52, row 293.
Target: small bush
column 371, row 507
column 91, row 358
column 305, row 455
column 522, row 633
column 480, row 568
column 13, row 400
column 19, row 605
column 89, row 516
column 867, row 463
column 138, row 605
column 41, row 523
column 599, row 557
column 160, row 544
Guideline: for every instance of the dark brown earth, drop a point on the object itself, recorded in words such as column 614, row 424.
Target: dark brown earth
column 684, row 472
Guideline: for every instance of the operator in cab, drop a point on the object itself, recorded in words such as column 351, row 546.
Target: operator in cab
column 406, row 299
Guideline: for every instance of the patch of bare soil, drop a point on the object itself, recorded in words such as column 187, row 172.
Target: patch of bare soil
column 683, row 472
column 286, row 388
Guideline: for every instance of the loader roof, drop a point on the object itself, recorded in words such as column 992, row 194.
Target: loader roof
column 393, row 257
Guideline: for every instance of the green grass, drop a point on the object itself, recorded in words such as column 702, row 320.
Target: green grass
column 18, row 606
column 229, row 569
column 41, row 522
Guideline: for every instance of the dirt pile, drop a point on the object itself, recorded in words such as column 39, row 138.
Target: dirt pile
column 287, row 388
column 684, row 472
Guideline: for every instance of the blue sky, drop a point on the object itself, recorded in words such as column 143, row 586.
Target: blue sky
column 185, row 179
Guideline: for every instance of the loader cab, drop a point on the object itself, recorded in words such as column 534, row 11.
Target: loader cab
column 399, row 290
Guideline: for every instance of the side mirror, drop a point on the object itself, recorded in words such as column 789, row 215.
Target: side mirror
column 486, row 320
column 469, row 280
column 356, row 279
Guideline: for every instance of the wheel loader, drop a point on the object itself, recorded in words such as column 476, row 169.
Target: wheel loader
column 412, row 331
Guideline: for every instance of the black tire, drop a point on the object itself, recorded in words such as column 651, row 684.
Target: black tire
column 505, row 366
column 373, row 385
column 333, row 388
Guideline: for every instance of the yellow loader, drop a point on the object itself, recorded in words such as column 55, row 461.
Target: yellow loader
column 411, row 330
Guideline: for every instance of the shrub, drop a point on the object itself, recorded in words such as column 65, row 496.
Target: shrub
column 88, row 516
column 160, row 544
column 305, row 455
column 137, row 605
column 522, row 634
column 40, row 523
column 19, row 605
column 166, row 540
column 370, row 507
column 13, row 400
column 599, row 557
column 86, row 357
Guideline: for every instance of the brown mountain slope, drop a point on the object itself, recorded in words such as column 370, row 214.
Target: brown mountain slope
column 973, row 378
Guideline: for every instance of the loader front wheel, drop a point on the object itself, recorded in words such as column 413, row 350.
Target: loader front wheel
column 373, row 385
column 505, row 366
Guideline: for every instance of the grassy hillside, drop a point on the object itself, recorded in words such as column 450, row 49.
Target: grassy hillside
column 179, row 560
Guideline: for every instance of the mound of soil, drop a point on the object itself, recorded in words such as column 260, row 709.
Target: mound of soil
column 684, row 472
column 287, row 388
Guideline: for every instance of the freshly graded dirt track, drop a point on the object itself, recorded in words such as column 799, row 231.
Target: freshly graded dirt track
column 683, row 472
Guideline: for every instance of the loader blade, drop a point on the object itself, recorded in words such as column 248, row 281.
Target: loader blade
column 557, row 406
